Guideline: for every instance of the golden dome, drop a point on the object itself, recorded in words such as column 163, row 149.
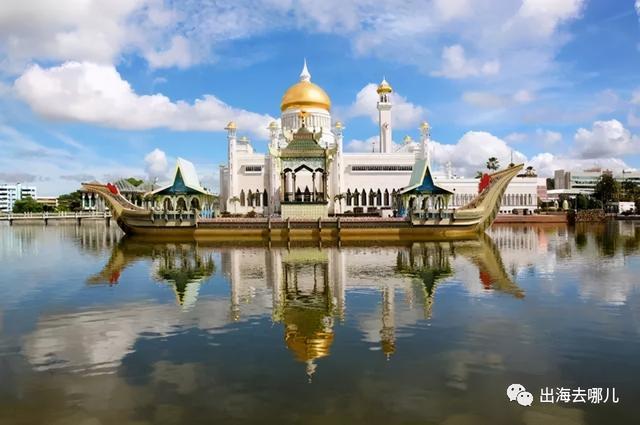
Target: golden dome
column 305, row 94
column 384, row 87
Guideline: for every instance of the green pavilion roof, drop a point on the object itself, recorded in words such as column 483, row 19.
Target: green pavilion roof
column 304, row 144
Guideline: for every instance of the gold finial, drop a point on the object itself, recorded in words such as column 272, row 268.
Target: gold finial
column 384, row 87
column 273, row 125
column 231, row 126
column 338, row 125
column 425, row 126
column 407, row 139
column 303, row 117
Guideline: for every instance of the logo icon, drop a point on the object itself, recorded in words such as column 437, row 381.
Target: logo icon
column 519, row 393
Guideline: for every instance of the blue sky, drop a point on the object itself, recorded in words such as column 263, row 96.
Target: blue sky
column 101, row 90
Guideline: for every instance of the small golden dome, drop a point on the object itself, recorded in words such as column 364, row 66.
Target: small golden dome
column 305, row 94
column 231, row 126
column 384, row 87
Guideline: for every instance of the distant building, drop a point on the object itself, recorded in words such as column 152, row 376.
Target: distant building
column 10, row 193
column 49, row 201
column 584, row 182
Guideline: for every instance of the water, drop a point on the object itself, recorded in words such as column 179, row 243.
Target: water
column 96, row 329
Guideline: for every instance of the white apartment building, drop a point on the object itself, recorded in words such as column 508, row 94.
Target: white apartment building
column 10, row 193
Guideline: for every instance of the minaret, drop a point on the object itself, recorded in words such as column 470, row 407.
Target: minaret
column 384, row 116
column 425, row 134
column 338, row 173
column 231, row 139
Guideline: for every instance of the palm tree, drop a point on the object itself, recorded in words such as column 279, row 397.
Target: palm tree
column 493, row 163
column 338, row 198
column 235, row 201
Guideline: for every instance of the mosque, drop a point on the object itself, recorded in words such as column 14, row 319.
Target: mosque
column 306, row 173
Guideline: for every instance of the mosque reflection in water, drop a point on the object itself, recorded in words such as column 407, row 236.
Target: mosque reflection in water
column 308, row 286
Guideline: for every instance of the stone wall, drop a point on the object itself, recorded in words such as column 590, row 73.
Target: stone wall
column 313, row 211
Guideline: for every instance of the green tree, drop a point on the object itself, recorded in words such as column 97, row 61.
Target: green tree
column 493, row 163
column 134, row 181
column 70, row 201
column 607, row 189
column 27, row 205
column 630, row 190
column 582, row 203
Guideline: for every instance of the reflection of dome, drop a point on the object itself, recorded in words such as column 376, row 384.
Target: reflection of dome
column 308, row 347
column 305, row 94
column 388, row 346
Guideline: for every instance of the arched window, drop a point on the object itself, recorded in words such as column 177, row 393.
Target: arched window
column 195, row 204
column 167, row 204
column 250, row 198
column 356, row 198
column 348, row 197
column 394, row 200
column 363, row 194
column 379, row 198
column 386, row 197
column 257, row 196
column 372, row 197
column 181, row 204
column 307, row 194
column 242, row 198
column 265, row 198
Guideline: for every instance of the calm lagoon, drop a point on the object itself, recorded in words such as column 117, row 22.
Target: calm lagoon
column 96, row 328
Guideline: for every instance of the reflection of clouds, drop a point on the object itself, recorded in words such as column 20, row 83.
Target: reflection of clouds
column 96, row 341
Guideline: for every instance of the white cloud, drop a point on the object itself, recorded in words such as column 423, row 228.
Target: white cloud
column 473, row 149
column 357, row 145
column 89, row 30
column 404, row 113
column 184, row 33
column 96, row 94
column 489, row 100
column 456, row 65
column 546, row 163
column 638, row 8
column 538, row 20
column 57, row 170
column 635, row 96
column 605, row 139
column 516, row 137
column 156, row 164
column 548, row 137
column 449, row 10
column 177, row 54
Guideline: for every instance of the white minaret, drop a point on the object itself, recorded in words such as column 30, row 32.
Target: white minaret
column 425, row 133
column 338, row 171
column 233, row 187
column 384, row 116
